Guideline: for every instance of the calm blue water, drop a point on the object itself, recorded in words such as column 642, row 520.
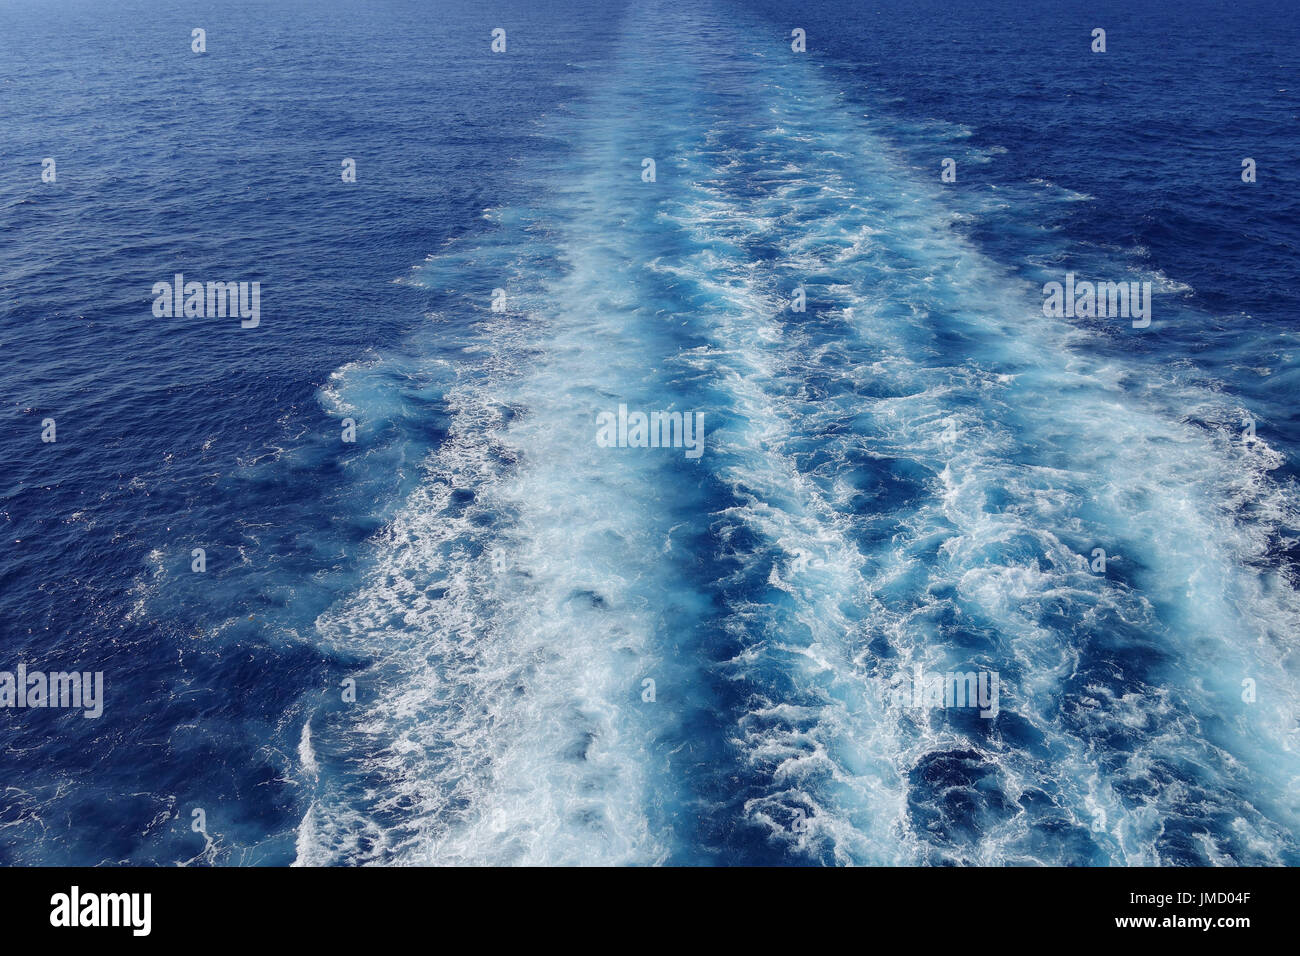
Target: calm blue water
column 905, row 474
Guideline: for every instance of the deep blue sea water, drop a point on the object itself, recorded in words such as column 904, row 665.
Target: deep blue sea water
column 914, row 471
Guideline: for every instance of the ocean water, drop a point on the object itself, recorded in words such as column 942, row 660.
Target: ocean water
column 432, row 645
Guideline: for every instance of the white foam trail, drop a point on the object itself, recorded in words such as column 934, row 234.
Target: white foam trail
column 502, row 722
column 1199, row 511
column 1107, row 434
column 503, row 716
